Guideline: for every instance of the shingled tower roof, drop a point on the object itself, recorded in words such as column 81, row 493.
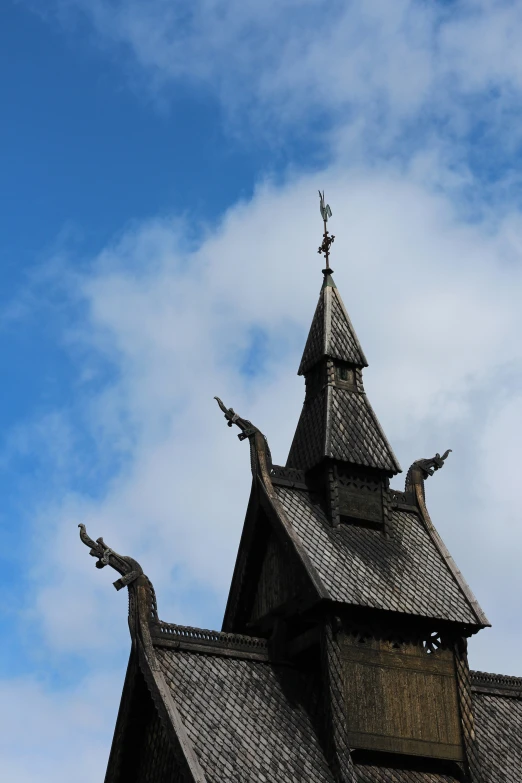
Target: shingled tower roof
column 331, row 333
column 337, row 421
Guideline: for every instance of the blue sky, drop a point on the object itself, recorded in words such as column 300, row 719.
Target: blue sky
column 160, row 163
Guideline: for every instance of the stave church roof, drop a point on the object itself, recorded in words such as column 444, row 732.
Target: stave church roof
column 249, row 719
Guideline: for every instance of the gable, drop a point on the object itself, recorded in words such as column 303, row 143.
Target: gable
column 269, row 572
column 279, row 581
column 142, row 750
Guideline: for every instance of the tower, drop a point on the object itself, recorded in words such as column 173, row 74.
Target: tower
column 342, row 656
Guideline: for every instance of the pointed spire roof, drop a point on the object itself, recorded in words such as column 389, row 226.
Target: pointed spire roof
column 331, row 333
column 337, row 420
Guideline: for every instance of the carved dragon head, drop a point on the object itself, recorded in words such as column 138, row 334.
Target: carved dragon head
column 429, row 466
column 129, row 569
column 248, row 430
column 420, row 470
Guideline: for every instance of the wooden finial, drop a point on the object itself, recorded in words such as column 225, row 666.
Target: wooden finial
column 326, row 213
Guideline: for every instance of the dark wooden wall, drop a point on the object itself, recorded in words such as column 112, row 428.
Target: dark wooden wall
column 279, row 579
column 401, row 698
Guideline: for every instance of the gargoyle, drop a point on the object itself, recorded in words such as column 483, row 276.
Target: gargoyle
column 126, row 566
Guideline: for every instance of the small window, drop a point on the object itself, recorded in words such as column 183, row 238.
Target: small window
column 345, row 374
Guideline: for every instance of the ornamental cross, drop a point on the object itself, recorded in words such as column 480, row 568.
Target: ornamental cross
column 326, row 213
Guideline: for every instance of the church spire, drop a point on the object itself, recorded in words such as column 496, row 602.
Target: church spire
column 337, row 421
column 331, row 333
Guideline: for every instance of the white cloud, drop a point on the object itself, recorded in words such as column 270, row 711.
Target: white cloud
column 43, row 733
column 376, row 67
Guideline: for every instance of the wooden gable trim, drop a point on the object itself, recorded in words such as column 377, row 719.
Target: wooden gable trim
column 263, row 498
column 282, row 519
column 161, row 694
column 243, row 558
column 122, row 721
column 145, row 690
column 170, row 716
column 286, row 532
column 482, row 620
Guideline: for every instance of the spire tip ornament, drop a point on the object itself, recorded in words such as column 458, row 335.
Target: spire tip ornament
column 328, row 239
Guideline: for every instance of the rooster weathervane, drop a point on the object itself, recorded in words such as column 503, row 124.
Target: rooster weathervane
column 326, row 213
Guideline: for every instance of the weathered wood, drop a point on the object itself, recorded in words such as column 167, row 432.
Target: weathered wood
column 171, row 720
column 466, row 712
column 142, row 750
column 399, row 698
column 335, row 707
column 355, row 505
column 279, row 580
column 121, row 732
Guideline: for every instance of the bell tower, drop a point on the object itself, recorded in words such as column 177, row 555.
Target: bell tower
column 339, row 442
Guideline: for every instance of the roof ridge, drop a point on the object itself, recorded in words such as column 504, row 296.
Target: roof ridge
column 336, row 293
column 204, row 640
column 496, row 682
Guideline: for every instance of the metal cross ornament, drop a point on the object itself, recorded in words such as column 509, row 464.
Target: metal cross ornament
column 326, row 213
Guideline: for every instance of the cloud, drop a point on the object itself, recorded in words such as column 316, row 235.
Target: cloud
column 43, row 732
column 394, row 74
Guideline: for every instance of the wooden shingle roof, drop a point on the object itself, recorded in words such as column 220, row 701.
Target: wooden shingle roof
column 340, row 424
column 400, row 572
column 370, row 773
column 248, row 721
column 337, row 421
column 331, row 333
column 497, row 704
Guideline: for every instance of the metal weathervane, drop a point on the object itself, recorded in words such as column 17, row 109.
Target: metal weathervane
column 326, row 213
